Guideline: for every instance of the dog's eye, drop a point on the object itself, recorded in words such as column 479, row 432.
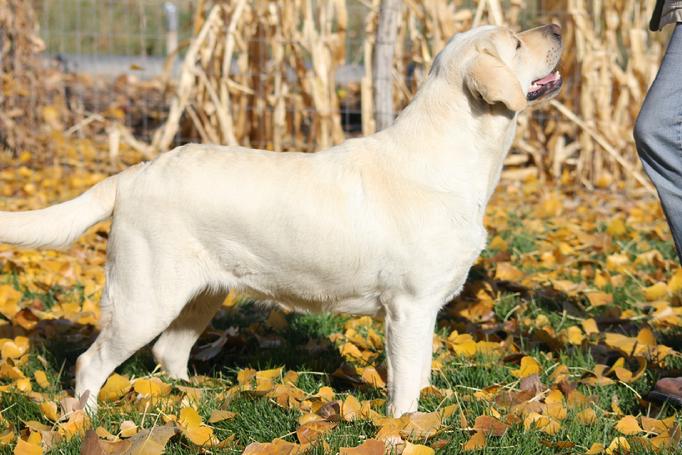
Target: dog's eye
column 518, row 44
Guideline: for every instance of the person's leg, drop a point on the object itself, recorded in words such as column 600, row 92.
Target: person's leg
column 658, row 135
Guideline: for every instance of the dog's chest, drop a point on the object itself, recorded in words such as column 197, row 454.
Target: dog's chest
column 458, row 260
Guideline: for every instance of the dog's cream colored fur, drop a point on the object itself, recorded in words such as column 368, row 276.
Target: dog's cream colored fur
column 386, row 225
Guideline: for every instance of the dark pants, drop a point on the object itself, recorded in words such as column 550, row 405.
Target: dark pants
column 658, row 135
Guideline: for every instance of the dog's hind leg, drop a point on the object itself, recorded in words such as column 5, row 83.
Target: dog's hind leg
column 141, row 299
column 120, row 338
column 173, row 347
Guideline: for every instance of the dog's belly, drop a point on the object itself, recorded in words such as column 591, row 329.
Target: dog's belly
column 302, row 298
column 312, row 289
column 366, row 306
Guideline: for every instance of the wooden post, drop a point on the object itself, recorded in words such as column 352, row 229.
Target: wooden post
column 387, row 30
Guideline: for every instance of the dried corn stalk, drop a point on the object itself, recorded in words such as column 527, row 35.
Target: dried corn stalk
column 261, row 73
column 20, row 75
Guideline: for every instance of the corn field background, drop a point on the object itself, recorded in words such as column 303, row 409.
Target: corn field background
column 292, row 75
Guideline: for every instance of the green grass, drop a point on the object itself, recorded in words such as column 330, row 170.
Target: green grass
column 258, row 419
column 261, row 419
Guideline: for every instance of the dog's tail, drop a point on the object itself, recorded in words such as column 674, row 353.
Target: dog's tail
column 60, row 225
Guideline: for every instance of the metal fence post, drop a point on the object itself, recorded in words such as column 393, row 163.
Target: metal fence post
column 171, row 12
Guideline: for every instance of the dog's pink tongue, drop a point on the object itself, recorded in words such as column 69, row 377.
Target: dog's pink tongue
column 547, row 79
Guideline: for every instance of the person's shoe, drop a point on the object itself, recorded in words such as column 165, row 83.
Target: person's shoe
column 667, row 390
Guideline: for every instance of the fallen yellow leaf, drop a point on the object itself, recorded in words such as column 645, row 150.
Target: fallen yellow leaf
column 351, row 408
column 616, row 228
column 619, row 445
column 422, row 425
column 218, row 415
column 529, row 366
column 200, row 435
column 646, row 337
column 152, row 387
column 369, row 447
column 28, row 448
column 417, row 449
column 587, row 416
column 653, row 425
column 543, row 423
column 193, row 428
column 598, row 298
column 617, row 262
column 490, row 426
column 49, row 409
column 675, row 282
column 595, row 449
column 628, row 425
column 505, row 271
column 656, row 291
column 41, row 379
column 575, row 335
column 312, row 431
column 498, row 243
column 590, row 326
column 115, row 388
column 463, row 344
column 128, row 428
column 476, row 442
column 372, row 377
column 189, row 417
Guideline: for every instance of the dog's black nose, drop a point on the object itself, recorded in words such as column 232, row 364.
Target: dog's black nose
column 553, row 30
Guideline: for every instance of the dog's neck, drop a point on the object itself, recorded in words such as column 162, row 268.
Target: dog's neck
column 435, row 130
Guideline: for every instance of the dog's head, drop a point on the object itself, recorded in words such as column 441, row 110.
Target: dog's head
column 499, row 66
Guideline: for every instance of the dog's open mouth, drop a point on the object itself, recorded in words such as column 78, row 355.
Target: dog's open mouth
column 549, row 84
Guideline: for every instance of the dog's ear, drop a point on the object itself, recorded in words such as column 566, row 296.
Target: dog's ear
column 490, row 78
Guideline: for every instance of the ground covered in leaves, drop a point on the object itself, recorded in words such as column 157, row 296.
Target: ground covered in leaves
column 565, row 323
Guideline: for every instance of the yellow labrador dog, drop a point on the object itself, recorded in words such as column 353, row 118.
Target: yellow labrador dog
column 386, row 225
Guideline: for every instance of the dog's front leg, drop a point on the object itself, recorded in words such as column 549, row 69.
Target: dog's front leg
column 409, row 341
column 427, row 355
